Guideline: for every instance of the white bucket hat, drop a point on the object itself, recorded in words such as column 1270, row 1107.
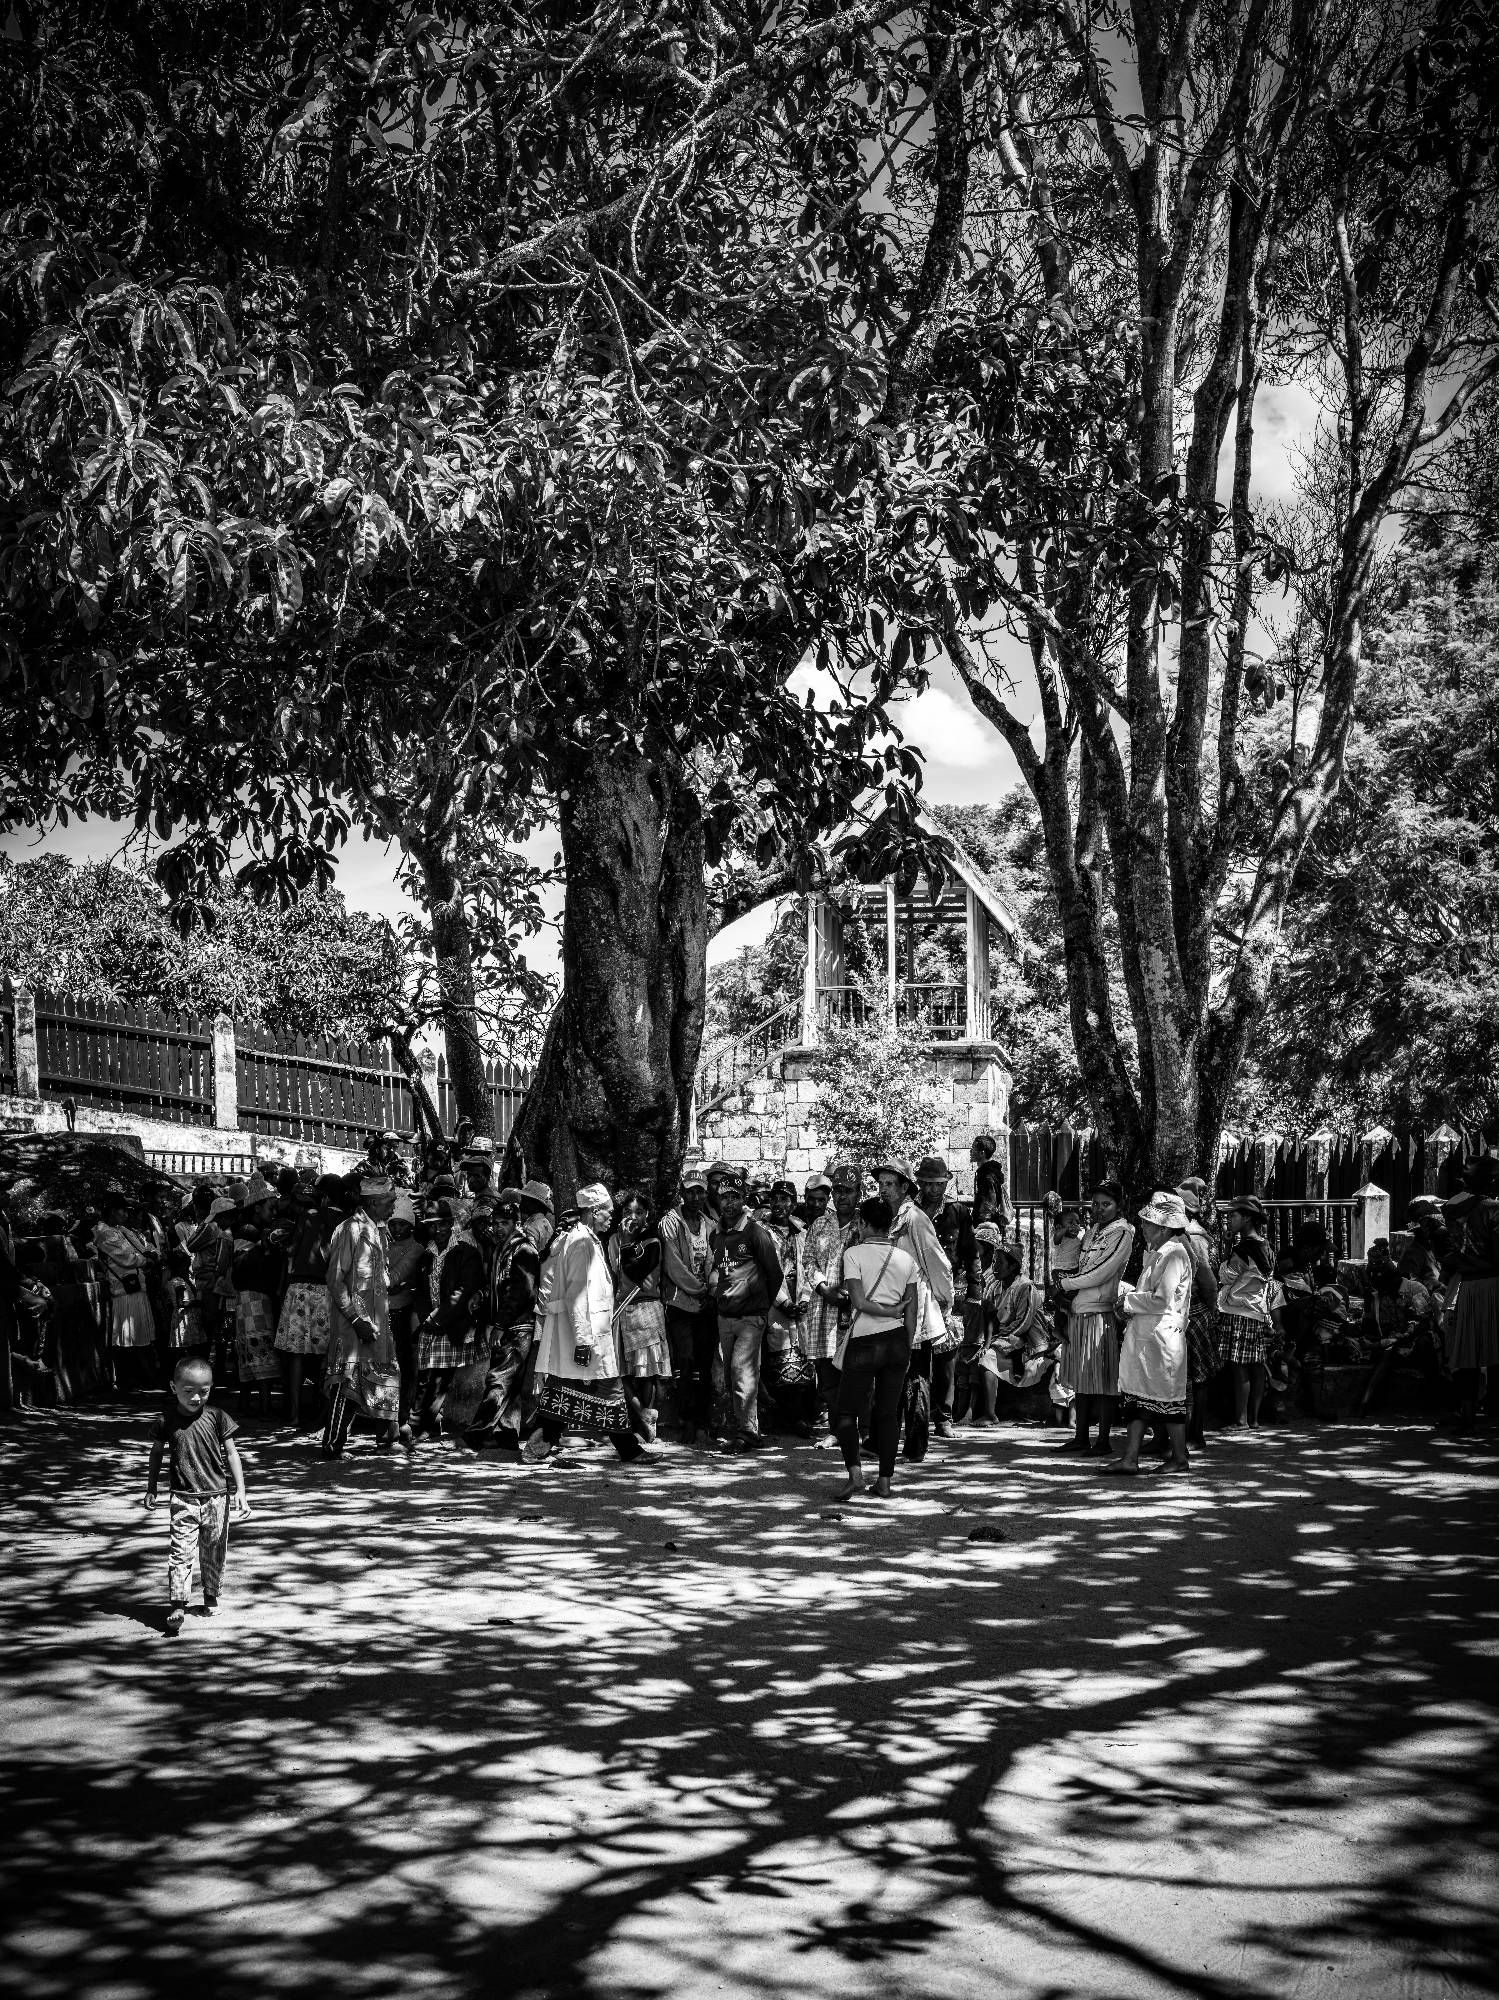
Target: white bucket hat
column 1166, row 1210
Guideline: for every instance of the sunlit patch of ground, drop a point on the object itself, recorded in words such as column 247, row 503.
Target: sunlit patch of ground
column 466, row 1728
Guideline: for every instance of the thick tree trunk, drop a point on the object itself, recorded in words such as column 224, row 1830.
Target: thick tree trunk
column 613, row 1088
column 453, row 953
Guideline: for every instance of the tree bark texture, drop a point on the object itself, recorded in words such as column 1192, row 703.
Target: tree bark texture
column 452, row 952
column 613, row 1088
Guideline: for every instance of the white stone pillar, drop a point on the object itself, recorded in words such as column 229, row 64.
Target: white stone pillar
column 225, row 1076
column 1371, row 1219
column 28, row 1061
column 890, row 946
column 809, row 981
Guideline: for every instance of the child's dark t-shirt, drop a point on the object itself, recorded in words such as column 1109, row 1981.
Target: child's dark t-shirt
column 196, row 1448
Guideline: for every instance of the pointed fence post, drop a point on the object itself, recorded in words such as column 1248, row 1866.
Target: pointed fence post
column 1266, row 1147
column 28, row 1062
column 1372, row 1144
column 1318, row 1162
column 225, row 1075
column 1440, row 1146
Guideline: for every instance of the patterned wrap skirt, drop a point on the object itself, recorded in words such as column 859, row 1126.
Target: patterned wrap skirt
column 1473, row 1330
column 304, row 1323
column 598, row 1408
column 1089, row 1364
column 641, row 1332
column 255, row 1339
column 131, row 1321
column 1243, row 1341
column 1203, row 1355
column 1133, row 1407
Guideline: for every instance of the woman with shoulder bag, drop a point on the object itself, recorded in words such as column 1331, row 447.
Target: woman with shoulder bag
column 881, row 1281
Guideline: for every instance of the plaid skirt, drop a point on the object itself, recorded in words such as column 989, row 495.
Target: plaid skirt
column 255, row 1339
column 303, row 1327
column 1089, row 1363
column 1244, row 1341
column 438, row 1349
column 641, row 1332
column 1203, row 1355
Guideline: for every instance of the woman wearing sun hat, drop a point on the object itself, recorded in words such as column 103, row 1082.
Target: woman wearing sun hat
column 1153, row 1352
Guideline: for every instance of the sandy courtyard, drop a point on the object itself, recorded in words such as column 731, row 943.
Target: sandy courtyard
column 466, row 1728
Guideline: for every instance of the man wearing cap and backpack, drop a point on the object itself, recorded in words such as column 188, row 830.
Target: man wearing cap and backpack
column 954, row 1226
column 524, row 1231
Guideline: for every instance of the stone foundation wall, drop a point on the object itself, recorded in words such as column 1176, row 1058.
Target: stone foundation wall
column 770, row 1127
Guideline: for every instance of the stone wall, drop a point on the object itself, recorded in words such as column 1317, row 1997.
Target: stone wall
column 770, row 1127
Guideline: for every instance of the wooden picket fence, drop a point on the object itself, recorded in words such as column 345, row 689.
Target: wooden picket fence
column 1282, row 1171
column 135, row 1059
column 309, row 1089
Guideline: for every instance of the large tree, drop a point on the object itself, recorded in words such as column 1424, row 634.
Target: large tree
column 346, row 474
column 1157, row 214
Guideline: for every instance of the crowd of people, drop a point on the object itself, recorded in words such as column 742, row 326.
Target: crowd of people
column 867, row 1313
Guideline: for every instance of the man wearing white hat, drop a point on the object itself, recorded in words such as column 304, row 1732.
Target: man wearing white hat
column 579, row 1384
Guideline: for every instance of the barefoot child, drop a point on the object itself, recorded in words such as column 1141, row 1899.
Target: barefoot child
column 199, row 1443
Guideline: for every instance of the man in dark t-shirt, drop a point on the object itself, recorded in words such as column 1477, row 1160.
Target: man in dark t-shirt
column 747, row 1280
column 197, row 1441
column 954, row 1226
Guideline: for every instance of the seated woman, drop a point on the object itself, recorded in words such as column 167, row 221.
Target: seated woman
column 1020, row 1343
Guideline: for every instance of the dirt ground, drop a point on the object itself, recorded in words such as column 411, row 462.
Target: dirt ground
column 461, row 1727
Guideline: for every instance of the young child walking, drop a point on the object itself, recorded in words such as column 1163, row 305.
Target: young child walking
column 198, row 1442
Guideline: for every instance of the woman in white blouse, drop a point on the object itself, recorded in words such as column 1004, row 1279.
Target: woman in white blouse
column 882, row 1285
column 1153, row 1353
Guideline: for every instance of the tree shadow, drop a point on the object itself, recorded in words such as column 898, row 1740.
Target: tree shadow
column 466, row 1727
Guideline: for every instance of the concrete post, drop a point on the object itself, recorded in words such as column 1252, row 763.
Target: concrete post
column 1440, row 1146
column 1371, row 1219
column 810, row 1035
column 28, row 1062
column 225, row 1076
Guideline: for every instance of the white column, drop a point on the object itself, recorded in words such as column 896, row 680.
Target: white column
column 890, row 950
column 28, row 1062
column 809, row 981
column 225, row 1076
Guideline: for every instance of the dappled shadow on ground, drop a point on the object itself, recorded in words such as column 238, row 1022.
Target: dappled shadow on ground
column 462, row 1727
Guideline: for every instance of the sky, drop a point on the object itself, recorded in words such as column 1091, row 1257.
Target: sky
column 966, row 761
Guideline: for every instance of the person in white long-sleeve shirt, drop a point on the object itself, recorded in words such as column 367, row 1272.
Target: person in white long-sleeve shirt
column 1089, row 1363
column 578, row 1379
column 1153, row 1354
